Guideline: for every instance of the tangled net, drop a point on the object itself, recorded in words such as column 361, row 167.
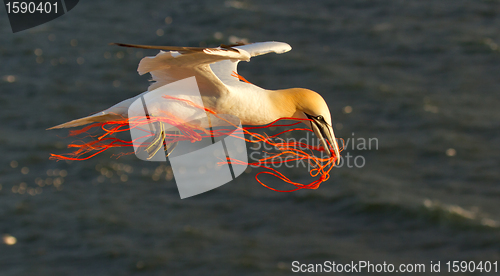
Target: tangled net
column 293, row 151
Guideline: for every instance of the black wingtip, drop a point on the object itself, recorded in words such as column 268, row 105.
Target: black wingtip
column 120, row 44
column 240, row 43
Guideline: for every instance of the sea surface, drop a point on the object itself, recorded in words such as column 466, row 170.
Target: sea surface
column 421, row 78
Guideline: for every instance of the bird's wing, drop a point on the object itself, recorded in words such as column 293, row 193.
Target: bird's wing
column 227, row 70
column 214, row 68
column 177, row 63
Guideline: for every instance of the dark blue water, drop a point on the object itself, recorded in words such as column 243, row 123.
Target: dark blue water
column 421, row 77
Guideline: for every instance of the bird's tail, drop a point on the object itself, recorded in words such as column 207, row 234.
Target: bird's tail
column 96, row 118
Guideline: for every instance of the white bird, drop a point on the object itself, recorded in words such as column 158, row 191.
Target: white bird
column 222, row 90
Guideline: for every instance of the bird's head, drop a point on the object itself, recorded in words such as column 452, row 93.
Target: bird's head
column 309, row 104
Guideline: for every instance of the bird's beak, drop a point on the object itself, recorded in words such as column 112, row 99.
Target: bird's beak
column 324, row 132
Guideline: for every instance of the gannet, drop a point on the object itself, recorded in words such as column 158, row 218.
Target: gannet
column 223, row 90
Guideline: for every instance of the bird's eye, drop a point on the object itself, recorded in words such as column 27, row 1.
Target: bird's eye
column 320, row 117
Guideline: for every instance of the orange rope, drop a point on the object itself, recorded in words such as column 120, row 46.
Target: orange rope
column 294, row 151
column 240, row 77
